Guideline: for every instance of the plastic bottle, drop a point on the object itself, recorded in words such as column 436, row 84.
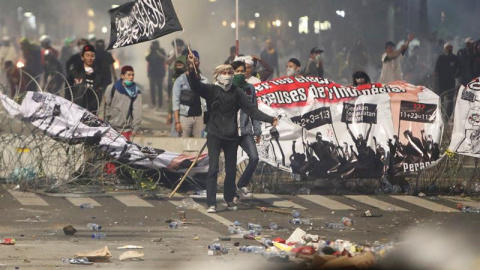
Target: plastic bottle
column 274, row 253
column 99, row 235
column 252, row 249
column 236, row 223
column 468, row 209
column 252, row 226
column 217, row 249
column 174, row 225
column 304, row 221
column 94, row 227
column 235, row 230
column 273, row 226
column 335, row 225
column 267, row 242
column 85, row 206
column 295, row 213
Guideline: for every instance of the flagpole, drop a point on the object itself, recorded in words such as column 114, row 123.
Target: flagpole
column 236, row 28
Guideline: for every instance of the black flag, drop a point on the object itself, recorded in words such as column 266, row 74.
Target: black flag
column 140, row 21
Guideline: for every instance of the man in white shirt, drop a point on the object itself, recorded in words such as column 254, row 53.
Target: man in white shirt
column 391, row 61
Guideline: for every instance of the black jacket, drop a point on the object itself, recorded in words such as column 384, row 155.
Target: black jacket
column 223, row 107
column 87, row 96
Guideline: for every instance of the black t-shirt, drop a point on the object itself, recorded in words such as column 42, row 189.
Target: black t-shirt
column 104, row 60
column 90, row 80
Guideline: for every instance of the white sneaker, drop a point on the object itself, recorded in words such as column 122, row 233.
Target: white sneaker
column 231, row 206
column 212, row 209
column 247, row 193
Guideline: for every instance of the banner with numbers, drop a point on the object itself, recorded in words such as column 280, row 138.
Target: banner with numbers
column 327, row 130
column 466, row 125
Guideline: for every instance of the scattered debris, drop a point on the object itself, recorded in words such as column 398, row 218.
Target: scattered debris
column 274, row 210
column 132, row 255
column 69, row 230
column 84, row 261
column 130, row 247
column 7, row 241
column 101, row 255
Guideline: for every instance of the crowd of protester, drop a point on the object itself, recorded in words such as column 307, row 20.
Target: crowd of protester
column 83, row 71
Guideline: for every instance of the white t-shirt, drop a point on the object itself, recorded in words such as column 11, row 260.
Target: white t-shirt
column 391, row 69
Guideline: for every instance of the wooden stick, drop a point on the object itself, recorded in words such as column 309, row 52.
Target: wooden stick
column 188, row 171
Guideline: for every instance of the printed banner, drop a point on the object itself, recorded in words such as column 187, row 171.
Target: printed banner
column 466, row 125
column 140, row 21
column 327, row 130
column 67, row 122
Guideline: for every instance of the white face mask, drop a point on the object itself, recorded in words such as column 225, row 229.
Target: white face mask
column 225, row 81
column 291, row 71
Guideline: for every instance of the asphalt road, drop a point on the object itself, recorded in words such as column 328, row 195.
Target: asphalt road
column 36, row 222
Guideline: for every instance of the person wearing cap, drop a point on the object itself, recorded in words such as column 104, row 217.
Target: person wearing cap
column 124, row 104
column 253, row 73
column 46, row 43
column 123, row 110
column 466, row 55
column 224, row 100
column 391, row 61
column 447, row 68
column 314, row 68
column 85, row 82
column 270, row 55
column 293, row 67
column 188, row 106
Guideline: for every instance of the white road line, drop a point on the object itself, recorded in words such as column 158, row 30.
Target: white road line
column 464, row 201
column 80, row 201
column 376, row 203
column 28, row 198
column 132, row 201
column 203, row 210
column 326, row 202
column 424, row 203
column 277, row 201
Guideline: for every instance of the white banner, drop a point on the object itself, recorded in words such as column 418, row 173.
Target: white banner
column 328, row 130
column 67, row 122
column 466, row 125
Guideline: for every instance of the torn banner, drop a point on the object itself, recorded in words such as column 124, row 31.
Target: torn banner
column 328, row 130
column 466, row 125
column 67, row 122
column 140, row 21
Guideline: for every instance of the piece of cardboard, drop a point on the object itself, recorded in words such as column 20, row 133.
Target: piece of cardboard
column 101, row 255
column 296, row 236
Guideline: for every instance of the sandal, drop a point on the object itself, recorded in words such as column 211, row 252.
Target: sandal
column 80, row 261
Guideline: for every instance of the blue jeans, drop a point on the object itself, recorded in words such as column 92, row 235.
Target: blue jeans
column 215, row 145
column 247, row 142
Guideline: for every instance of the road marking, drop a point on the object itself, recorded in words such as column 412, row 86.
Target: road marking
column 132, row 201
column 464, row 201
column 80, row 201
column 376, row 203
column 28, row 198
column 277, row 201
column 326, row 202
column 203, row 210
column 424, row 203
